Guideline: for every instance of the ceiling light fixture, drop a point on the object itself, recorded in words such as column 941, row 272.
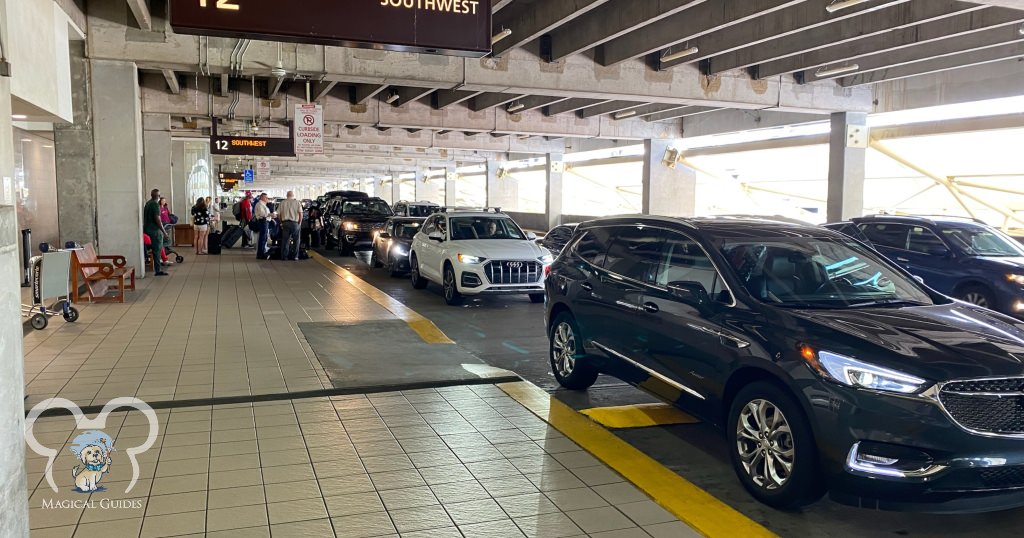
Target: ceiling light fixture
column 625, row 114
column 19, row 117
column 681, row 54
column 391, row 98
column 836, row 70
column 524, row 136
column 1021, row 29
column 842, row 4
column 516, row 107
column 500, row 35
column 26, row 139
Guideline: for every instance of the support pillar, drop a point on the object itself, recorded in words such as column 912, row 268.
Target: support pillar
column 491, row 186
column 73, row 158
column 451, row 190
column 117, row 130
column 553, row 190
column 667, row 190
column 13, row 499
column 157, row 155
column 847, row 154
column 396, row 189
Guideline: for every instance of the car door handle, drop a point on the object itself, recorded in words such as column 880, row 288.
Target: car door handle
column 587, row 286
column 651, row 308
column 904, row 260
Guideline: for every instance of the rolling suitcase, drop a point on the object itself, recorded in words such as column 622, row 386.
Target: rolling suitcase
column 213, row 243
column 231, row 237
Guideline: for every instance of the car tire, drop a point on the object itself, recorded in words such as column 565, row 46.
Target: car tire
column 374, row 262
column 536, row 298
column 977, row 295
column 329, row 242
column 418, row 282
column 565, row 351
column 777, row 434
column 392, row 267
column 452, row 297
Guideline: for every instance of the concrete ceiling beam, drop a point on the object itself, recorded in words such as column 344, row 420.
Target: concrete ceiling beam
column 533, row 102
column 864, row 27
column 1005, row 35
column 680, row 113
column 485, row 101
column 703, row 19
column 499, row 5
column 323, row 88
column 650, row 110
column 958, row 26
column 610, row 107
column 140, row 10
column 225, row 84
column 446, row 98
column 608, row 22
column 530, row 20
column 572, row 105
column 361, row 93
column 936, row 65
column 409, row 95
column 171, row 77
column 274, row 87
column 795, row 20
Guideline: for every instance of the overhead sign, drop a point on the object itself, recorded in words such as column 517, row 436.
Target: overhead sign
column 256, row 146
column 263, row 170
column 452, row 27
column 248, row 175
column 309, row 129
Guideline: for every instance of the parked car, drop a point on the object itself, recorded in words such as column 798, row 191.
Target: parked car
column 477, row 253
column 353, row 221
column 421, row 209
column 962, row 258
column 391, row 246
column 828, row 366
column 557, row 237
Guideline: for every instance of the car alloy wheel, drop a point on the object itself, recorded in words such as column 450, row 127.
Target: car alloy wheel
column 764, row 442
column 451, row 291
column 977, row 299
column 563, row 349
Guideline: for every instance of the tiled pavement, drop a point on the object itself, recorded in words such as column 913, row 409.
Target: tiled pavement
column 457, row 461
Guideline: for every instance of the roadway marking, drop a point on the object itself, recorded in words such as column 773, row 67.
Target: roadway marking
column 692, row 505
column 639, row 416
column 425, row 328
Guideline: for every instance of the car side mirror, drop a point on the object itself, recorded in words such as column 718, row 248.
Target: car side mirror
column 384, row 235
column 531, row 236
column 691, row 293
column 436, row 236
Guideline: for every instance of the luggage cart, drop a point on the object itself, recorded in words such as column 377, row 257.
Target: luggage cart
column 50, row 276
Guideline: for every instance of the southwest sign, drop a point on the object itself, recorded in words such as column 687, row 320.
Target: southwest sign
column 452, row 27
column 257, row 146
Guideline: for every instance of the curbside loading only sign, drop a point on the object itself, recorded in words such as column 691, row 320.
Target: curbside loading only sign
column 309, row 129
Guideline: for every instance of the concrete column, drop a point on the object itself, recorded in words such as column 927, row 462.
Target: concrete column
column 117, row 130
column 491, row 187
column 156, row 157
column 396, row 189
column 179, row 176
column 666, row 191
column 847, row 153
column 74, row 162
column 451, row 190
column 431, row 189
column 553, row 193
column 13, row 500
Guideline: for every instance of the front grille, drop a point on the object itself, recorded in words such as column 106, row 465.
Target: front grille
column 513, row 271
column 1002, row 477
column 988, row 405
column 366, row 226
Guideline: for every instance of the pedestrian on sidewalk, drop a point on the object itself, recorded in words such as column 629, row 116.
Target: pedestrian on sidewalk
column 153, row 226
column 201, row 220
column 290, row 213
column 245, row 219
column 261, row 216
column 213, row 206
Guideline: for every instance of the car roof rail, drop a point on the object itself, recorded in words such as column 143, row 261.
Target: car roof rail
column 447, row 209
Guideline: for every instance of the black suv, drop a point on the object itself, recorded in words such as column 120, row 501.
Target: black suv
column 828, row 367
column 353, row 221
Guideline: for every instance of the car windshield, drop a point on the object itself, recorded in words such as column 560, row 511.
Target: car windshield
column 422, row 210
column 365, row 207
column 485, row 228
column 407, row 229
column 819, row 272
column 982, row 241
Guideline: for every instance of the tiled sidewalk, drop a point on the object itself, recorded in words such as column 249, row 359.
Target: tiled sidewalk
column 464, row 461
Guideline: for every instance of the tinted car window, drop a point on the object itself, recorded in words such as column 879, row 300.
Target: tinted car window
column 485, row 228
column 593, row 245
column 421, row 210
column 634, row 253
column 884, row 234
column 922, row 240
column 406, row 229
column 430, row 226
column 683, row 260
column 981, row 240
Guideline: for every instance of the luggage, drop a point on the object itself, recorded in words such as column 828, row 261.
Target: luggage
column 303, row 254
column 274, row 252
column 213, row 243
column 231, row 236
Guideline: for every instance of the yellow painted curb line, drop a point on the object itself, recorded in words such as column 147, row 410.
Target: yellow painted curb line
column 692, row 505
column 421, row 325
column 638, row 416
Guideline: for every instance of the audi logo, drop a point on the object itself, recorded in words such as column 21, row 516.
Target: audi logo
column 515, row 265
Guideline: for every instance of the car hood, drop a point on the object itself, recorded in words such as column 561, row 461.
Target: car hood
column 1009, row 263
column 939, row 342
column 499, row 249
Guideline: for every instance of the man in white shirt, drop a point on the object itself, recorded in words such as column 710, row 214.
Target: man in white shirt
column 261, row 214
column 290, row 213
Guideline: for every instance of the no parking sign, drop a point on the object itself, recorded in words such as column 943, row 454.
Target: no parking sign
column 309, row 129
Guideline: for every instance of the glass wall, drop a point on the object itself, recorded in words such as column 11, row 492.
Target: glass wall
column 35, row 186
column 598, row 191
column 471, row 191
column 200, row 177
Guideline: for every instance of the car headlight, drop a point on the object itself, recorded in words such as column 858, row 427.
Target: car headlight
column 350, row 226
column 546, row 259
column 1016, row 279
column 466, row 258
column 854, row 373
column 400, row 250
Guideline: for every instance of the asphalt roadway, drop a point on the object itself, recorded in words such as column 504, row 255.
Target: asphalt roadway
column 508, row 332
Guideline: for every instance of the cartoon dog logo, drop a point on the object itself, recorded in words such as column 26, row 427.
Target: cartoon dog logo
column 92, row 450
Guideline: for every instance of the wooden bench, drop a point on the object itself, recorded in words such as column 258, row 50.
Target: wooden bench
column 96, row 272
